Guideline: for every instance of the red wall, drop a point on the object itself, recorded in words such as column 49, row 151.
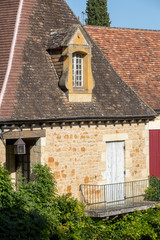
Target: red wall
column 154, row 152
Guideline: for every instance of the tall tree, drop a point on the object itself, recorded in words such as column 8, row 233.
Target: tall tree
column 97, row 13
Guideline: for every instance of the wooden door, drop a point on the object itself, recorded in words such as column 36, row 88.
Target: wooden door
column 115, row 171
column 154, row 153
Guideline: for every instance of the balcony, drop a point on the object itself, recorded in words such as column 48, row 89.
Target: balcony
column 114, row 199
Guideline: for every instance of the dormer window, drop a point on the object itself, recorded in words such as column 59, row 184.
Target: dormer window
column 77, row 70
column 76, row 80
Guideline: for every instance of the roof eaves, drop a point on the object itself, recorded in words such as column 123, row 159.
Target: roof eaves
column 76, row 119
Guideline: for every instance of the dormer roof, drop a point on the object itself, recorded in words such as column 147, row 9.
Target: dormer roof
column 62, row 38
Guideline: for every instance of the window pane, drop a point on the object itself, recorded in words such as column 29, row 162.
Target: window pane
column 77, row 69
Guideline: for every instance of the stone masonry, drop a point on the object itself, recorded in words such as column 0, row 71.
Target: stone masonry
column 77, row 155
column 2, row 153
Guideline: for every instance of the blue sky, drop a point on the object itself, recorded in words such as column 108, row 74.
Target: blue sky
column 144, row 14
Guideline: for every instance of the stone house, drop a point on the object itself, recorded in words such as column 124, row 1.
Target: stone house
column 61, row 95
column 135, row 55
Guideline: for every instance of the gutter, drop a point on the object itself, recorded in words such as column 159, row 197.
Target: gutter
column 76, row 119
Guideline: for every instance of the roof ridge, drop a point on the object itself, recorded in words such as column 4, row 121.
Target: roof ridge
column 121, row 28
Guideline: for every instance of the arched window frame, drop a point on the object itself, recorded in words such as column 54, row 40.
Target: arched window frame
column 77, row 70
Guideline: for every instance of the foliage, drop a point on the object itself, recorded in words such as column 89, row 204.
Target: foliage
column 6, row 189
column 97, row 13
column 72, row 220
column 153, row 191
column 135, row 226
column 36, row 211
column 20, row 215
column 16, row 223
column 41, row 189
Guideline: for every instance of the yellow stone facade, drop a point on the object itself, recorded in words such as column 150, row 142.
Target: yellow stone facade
column 2, row 153
column 77, row 154
column 154, row 125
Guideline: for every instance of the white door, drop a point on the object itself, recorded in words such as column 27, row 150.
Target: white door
column 115, row 171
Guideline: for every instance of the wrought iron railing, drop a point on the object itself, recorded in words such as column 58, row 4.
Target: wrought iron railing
column 118, row 195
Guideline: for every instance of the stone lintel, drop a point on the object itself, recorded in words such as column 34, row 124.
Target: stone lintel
column 25, row 134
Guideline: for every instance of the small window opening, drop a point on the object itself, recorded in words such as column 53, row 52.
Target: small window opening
column 77, row 69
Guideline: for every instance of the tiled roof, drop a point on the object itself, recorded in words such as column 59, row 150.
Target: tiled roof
column 8, row 13
column 17, row 61
column 33, row 91
column 135, row 55
column 56, row 39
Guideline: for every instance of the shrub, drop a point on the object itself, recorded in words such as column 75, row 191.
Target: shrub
column 17, row 221
column 6, row 189
column 153, row 191
column 135, row 226
column 41, row 189
column 36, row 211
column 73, row 224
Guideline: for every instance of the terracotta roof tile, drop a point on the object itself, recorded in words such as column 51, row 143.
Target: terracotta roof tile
column 8, row 13
column 17, row 63
column 135, row 55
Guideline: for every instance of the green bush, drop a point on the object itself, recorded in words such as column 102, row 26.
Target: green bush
column 17, row 220
column 153, row 191
column 18, row 224
column 135, row 226
column 73, row 224
column 7, row 195
column 41, row 189
column 36, row 211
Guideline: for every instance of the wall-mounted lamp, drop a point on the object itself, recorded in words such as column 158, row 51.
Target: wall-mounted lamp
column 19, row 147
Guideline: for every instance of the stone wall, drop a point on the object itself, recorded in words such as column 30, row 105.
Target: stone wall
column 77, row 155
column 35, row 152
column 2, row 153
column 154, row 124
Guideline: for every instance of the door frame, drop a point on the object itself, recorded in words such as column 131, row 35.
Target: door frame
column 115, row 188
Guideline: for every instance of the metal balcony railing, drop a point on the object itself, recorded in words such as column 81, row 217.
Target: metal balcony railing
column 114, row 196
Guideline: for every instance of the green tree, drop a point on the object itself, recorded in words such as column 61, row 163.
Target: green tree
column 97, row 13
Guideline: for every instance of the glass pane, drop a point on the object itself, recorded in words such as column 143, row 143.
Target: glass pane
column 25, row 174
column 25, row 166
column 20, row 149
column 77, row 65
